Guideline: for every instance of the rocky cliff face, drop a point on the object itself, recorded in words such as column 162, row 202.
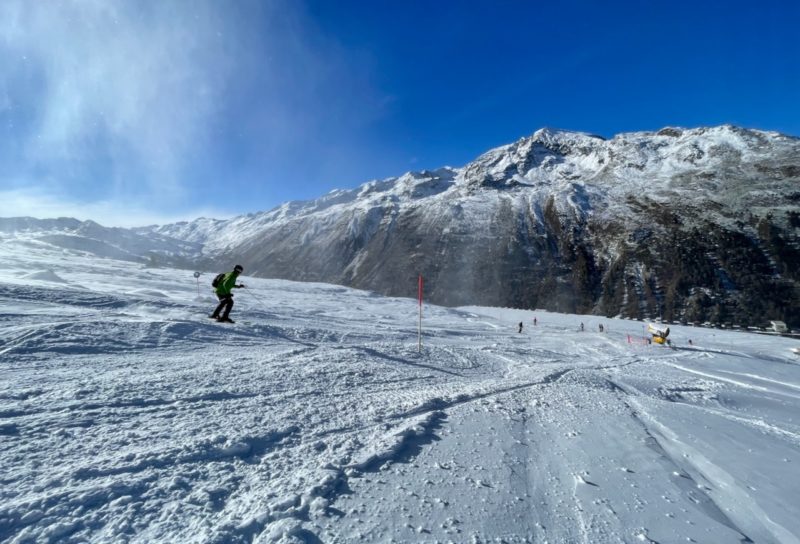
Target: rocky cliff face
column 695, row 225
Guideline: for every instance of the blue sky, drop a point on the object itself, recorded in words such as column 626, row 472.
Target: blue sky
column 133, row 113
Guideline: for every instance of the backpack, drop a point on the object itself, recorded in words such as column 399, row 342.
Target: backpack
column 217, row 279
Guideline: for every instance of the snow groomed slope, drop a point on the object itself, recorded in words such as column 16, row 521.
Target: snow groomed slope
column 126, row 415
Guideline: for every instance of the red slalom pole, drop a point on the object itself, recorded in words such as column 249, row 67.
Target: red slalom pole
column 419, row 330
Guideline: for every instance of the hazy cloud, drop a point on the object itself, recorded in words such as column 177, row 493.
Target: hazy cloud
column 106, row 100
column 34, row 202
column 131, row 83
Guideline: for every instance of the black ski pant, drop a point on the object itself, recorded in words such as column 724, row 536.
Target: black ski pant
column 225, row 306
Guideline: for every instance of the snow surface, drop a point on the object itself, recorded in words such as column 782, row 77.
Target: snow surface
column 127, row 416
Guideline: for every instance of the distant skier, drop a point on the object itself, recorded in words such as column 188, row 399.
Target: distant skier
column 601, row 327
column 520, row 326
column 581, row 326
column 223, row 291
column 534, row 321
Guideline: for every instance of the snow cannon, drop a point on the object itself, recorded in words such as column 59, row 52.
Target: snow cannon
column 659, row 335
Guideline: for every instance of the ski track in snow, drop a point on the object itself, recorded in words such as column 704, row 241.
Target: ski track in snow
column 126, row 415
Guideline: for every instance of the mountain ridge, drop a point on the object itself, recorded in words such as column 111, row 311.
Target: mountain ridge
column 683, row 224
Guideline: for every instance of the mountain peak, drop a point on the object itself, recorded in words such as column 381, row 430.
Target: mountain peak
column 547, row 134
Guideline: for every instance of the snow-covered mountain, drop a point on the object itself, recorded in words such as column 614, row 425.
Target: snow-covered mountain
column 90, row 238
column 694, row 225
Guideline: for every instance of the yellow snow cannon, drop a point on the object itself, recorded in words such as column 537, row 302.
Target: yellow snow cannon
column 659, row 335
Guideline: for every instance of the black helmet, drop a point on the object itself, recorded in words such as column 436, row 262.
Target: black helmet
column 238, row 268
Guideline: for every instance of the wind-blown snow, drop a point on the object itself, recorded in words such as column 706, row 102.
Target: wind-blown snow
column 44, row 275
column 127, row 416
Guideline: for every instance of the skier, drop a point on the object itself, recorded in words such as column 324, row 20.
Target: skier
column 534, row 321
column 223, row 291
column 601, row 327
column 520, row 326
column 581, row 326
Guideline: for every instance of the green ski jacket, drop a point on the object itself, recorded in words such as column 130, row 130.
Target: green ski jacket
column 226, row 285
